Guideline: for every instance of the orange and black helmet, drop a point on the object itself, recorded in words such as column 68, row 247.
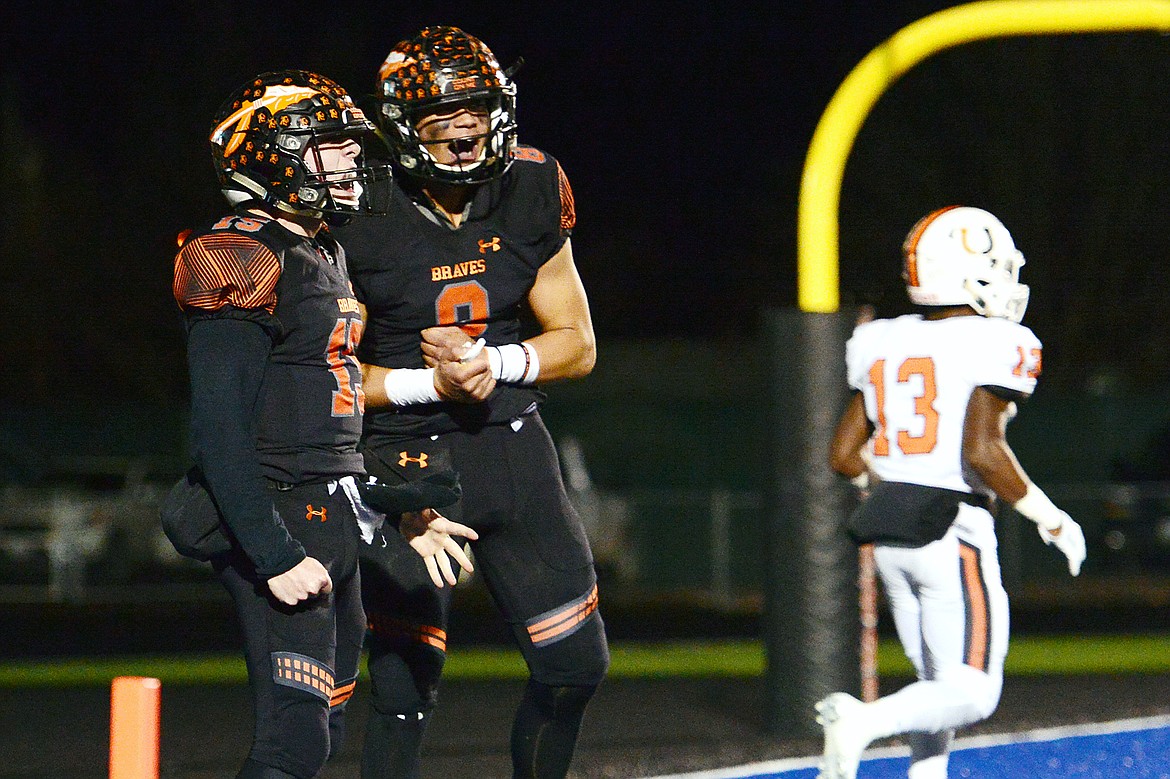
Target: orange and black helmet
column 262, row 133
column 438, row 69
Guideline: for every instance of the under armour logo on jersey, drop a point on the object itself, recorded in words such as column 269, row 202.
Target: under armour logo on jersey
column 311, row 512
column 404, row 458
column 493, row 244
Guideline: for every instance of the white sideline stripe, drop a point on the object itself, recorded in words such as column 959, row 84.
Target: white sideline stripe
column 967, row 742
column 1064, row 731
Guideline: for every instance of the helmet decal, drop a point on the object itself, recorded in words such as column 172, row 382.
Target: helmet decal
column 263, row 133
column 964, row 240
column 275, row 100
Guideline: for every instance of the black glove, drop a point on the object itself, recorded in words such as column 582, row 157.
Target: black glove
column 435, row 490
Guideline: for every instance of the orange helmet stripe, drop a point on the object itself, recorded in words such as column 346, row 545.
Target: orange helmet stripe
column 276, row 99
column 910, row 247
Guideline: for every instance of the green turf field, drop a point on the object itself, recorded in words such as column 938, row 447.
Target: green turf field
column 1034, row 655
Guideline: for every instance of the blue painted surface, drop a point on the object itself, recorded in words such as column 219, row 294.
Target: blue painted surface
column 1136, row 751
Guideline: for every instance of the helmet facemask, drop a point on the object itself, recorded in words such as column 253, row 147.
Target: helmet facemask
column 999, row 293
column 487, row 144
column 962, row 256
column 331, row 186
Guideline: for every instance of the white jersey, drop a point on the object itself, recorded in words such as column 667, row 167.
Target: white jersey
column 917, row 376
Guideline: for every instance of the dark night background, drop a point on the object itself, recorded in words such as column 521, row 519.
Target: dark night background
column 682, row 127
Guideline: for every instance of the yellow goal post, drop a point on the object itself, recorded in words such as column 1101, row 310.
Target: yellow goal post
column 818, row 229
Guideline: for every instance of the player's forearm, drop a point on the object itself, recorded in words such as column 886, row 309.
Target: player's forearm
column 986, row 450
column 998, row 468
column 374, row 386
column 226, row 362
column 850, row 465
column 386, row 387
column 565, row 353
column 1000, row 471
column 852, row 433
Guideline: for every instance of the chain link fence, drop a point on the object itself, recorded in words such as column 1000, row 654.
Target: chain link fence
column 95, row 531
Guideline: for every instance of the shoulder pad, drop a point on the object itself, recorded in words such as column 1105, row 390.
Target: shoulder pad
column 529, row 153
column 225, row 267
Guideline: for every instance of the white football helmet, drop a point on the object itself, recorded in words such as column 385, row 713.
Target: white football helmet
column 963, row 256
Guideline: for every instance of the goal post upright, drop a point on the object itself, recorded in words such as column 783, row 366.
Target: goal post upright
column 824, row 168
column 805, row 660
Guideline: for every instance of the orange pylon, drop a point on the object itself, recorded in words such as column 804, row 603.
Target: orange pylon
column 135, row 703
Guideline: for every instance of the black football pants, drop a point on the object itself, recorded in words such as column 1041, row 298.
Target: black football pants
column 302, row 660
column 535, row 560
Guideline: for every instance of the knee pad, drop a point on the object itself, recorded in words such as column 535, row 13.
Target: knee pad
column 302, row 744
column 393, row 745
column 293, row 733
column 563, row 702
column 981, row 688
column 579, row 660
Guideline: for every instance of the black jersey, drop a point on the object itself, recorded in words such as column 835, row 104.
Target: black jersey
column 414, row 270
column 309, row 413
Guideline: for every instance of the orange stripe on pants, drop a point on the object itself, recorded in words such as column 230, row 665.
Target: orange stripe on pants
column 978, row 618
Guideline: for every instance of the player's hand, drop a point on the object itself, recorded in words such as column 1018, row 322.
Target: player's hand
column 306, row 579
column 863, row 483
column 1070, row 540
column 433, row 536
column 446, row 343
column 465, row 382
column 463, row 373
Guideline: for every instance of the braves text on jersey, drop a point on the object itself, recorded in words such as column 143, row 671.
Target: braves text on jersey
column 413, row 271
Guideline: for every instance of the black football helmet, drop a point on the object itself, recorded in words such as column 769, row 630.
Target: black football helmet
column 264, row 131
column 438, row 69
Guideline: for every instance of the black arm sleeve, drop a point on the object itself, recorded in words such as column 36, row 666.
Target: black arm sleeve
column 226, row 358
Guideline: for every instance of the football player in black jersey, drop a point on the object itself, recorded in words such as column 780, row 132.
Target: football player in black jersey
column 276, row 396
column 477, row 235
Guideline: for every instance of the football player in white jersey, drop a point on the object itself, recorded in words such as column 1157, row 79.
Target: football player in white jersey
column 934, row 392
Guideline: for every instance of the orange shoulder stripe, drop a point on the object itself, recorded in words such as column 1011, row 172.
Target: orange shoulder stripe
column 226, row 269
column 568, row 207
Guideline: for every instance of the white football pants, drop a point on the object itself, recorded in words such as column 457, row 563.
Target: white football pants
column 951, row 613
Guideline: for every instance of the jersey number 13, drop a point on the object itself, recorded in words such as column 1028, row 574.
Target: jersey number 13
column 910, row 369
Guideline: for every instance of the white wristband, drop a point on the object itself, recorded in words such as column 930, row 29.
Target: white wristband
column 1037, row 506
column 516, row 363
column 408, row 386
